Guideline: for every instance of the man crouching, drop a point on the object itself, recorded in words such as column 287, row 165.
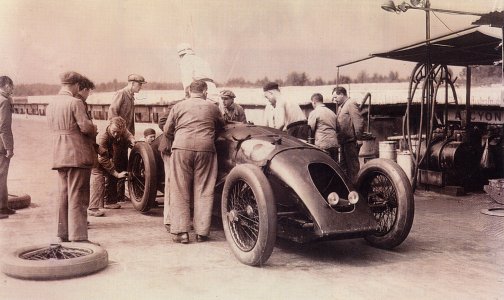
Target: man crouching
column 115, row 133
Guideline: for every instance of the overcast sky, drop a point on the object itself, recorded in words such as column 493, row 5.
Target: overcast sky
column 239, row 38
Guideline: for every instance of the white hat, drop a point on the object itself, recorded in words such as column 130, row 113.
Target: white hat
column 184, row 48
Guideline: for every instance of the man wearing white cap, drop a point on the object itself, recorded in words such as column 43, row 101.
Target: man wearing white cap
column 123, row 105
column 193, row 67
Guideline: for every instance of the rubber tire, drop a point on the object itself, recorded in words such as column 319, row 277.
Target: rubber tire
column 263, row 193
column 404, row 194
column 19, row 202
column 17, row 267
column 144, row 203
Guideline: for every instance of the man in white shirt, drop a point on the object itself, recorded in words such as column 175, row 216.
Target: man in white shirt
column 284, row 115
column 193, row 67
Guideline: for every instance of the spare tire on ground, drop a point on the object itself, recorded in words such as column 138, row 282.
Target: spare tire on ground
column 55, row 261
column 19, row 202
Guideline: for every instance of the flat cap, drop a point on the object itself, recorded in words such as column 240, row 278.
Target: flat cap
column 184, row 48
column 270, row 86
column 227, row 94
column 149, row 131
column 71, row 77
column 137, row 78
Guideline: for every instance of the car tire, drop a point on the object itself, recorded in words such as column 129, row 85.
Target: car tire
column 142, row 177
column 387, row 190
column 19, row 202
column 16, row 264
column 250, row 226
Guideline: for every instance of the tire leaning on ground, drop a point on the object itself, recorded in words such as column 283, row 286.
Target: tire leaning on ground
column 57, row 261
column 249, row 214
column 386, row 188
column 19, row 202
column 142, row 177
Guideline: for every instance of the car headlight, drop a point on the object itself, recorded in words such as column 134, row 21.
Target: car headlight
column 333, row 199
column 353, row 197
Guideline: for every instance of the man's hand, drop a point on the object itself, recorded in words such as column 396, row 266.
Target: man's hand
column 121, row 175
column 132, row 143
column 9, row 154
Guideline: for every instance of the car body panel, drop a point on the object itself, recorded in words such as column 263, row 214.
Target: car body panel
column 290, row 165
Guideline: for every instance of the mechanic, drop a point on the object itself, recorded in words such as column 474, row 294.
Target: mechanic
column 322, row 122
column 193, row 124
column 284, row 115
column 123, row 105
column 149, row 135
column 231, row 112
column 116, row 133
column 349, row 128
column 6, row 142
column 73, row 158
column 193, row 67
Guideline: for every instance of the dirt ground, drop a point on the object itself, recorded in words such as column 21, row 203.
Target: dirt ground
column 452, row 252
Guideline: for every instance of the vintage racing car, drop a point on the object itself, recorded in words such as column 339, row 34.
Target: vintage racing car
column 271, row 184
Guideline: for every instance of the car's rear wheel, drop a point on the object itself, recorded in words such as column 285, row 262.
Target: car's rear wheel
column 142, row 177
column 387, row 190
column 249, row 214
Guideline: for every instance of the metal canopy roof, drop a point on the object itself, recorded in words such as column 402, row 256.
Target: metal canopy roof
column 472, row 47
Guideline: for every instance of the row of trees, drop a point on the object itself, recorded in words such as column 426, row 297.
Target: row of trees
column 480, row 75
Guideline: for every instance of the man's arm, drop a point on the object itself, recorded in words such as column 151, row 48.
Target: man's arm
column 357, row 119
column 6, row 128
column 162, row 120
column 312, row 120
column 115, row 105
column 85, row 125
column 279, row 112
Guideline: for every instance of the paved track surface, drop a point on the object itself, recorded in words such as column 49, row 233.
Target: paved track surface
column 452, row 252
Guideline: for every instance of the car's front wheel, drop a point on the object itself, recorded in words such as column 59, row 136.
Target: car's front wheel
column 387, row 190
column 142, row 176
column 249, row 214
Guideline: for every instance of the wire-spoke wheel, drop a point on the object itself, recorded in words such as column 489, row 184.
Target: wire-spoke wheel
column 56, row 261
column 249, row 214
column 142, row 176
column 387, row 190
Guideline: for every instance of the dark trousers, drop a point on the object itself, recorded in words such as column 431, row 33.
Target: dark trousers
column 4, row 170
column 349, row 160
column 73, row 202
column 120, row 159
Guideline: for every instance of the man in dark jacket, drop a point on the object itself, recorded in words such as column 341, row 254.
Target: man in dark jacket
column 193, row 162
column 6, row 142
column 349, row 128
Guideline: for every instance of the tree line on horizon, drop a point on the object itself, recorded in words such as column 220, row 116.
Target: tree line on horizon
column 481, row 75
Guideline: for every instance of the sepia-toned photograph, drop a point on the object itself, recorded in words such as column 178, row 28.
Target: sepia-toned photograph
column 252, row 149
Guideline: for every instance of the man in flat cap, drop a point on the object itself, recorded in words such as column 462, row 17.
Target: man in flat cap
column 73, row 158
column 123, row 105
column 284, row 115
column 6, row 142
column 193, row 67
column 231, row 112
